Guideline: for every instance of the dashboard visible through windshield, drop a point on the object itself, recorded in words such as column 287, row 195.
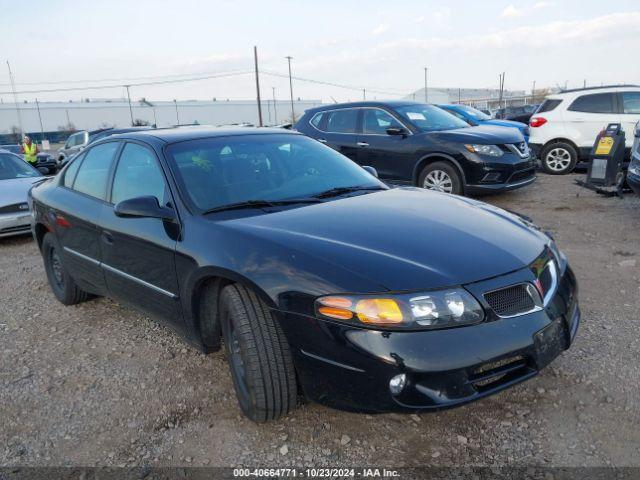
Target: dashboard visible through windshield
column 429, row 118
column 219, row 171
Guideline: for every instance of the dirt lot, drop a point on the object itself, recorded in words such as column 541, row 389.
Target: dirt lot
column 100, row 384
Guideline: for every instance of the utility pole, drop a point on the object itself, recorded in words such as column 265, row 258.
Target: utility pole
column 15, row 99
column 255, row 58
column 459, row 95
column 426, row 85
column 130, row 109
column 175, row 103
column 40, row 118
column 293, row 113
column 275, row 112
column 364, row 94
column 533, row 92
column 68, row 119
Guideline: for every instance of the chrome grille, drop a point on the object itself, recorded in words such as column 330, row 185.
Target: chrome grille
column 521, row 149
column 513, row 301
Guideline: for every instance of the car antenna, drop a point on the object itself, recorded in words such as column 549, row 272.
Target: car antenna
column 334, row 100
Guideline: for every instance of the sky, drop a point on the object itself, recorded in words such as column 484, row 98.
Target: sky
column 380, row 46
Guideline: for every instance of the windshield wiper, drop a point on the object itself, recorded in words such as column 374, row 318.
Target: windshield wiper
column 262, row 204
column 334, row 192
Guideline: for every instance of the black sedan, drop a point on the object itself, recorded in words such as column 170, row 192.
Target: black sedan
column 418, row 144
column 318, row 277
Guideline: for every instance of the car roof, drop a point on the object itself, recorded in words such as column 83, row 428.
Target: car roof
column 577, row 91
column 385, row 103
column 180, row 134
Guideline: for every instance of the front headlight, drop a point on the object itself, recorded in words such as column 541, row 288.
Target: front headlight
column 634, row 168
column 428, row 310
column 491, row 150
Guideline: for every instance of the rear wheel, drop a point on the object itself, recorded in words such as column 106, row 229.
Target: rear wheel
column 62, row 285
column 441, row 177
column 259, row 356
column 559, row 158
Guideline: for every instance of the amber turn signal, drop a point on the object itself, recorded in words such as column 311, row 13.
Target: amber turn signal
column 379, row 311
column 336, row 307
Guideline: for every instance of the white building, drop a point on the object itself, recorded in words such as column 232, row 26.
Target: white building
column 90, row 115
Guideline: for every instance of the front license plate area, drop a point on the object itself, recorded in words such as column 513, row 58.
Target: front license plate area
column 549, row 343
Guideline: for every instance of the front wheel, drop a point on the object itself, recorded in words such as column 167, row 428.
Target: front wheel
column 441, row 177
column 259, row 356
column 559, row 158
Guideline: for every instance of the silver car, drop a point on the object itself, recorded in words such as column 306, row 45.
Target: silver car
column 16, row 178
column 76, row 142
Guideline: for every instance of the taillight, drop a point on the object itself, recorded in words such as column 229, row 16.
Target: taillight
column 537, row 122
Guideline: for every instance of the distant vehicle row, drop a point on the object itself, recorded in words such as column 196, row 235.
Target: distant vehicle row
column 47, row 164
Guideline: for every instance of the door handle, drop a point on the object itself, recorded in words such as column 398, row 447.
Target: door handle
column 322, row 140
column 107, row 238
column 362, row 144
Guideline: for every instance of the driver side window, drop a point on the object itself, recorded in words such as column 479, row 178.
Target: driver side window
column 138, row 174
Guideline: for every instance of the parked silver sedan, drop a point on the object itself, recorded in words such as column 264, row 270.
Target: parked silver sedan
column 16, row 178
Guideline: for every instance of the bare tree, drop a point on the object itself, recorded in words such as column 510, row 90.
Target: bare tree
column 16, row 133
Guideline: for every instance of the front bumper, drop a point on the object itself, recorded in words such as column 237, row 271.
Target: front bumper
column 18, row 223
column 492, row 175
column 349, row 368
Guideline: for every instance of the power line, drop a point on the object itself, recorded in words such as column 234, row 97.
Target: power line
column 333, row 84
column 100, row 80
column 140, row 84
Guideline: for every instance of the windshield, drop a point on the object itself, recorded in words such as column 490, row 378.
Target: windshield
column 14, row 167
column 474, row 113
column 214, row 172
column 429, row 118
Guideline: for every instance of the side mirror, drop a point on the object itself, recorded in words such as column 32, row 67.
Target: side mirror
column 396, row 131
column 143, row 207
column 371, row 170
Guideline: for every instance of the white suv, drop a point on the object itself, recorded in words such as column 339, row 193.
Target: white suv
column 564, row 128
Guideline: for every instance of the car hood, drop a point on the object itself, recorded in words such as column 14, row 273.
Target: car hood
column 15, row 190
column 403, row 238
column 505, row 123
column 482, row 134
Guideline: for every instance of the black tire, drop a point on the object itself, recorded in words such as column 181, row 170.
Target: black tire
column 441, row 177
column 558, row 158
column 259, row 355
column 63, row 286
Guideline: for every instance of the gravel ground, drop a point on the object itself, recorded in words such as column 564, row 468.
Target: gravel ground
column 101, row 384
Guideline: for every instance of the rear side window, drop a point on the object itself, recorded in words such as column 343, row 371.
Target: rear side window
column 631, row 102
column 138, row 174
column 316, row 121
column 70, row 173
column 94, row 170
column 594, row 103
column 342, row 121
column 548, row 105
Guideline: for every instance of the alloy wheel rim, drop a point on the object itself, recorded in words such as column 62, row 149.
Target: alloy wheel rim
column 438, row 180
column 558, row 159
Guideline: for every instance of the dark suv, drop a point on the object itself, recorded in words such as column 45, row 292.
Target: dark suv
column 419, row 144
